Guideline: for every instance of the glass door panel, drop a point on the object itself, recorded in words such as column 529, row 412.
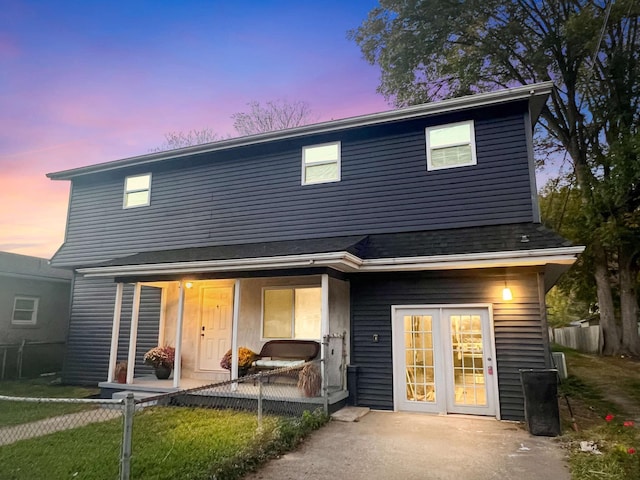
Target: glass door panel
column 467, row 360
column 419, row 365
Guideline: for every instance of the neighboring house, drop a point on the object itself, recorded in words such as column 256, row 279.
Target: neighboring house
column 34, row 309
column 417, row 231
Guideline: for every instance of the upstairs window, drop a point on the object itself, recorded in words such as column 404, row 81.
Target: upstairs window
column 450, row 146
column 292, row 313
column 321, row 163
column 25, row 311
column 137, row 190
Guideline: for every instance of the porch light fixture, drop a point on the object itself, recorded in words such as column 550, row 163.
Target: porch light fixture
column 188, row 284
column 507, row 296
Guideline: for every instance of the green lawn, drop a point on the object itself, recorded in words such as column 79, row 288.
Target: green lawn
column 168, row 443
column 14, row 413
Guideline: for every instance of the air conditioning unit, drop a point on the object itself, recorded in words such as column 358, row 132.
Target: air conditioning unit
column 560, row 363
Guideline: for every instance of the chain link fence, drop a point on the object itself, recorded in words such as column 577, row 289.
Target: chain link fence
column 101, row 432
column 98, row 434
column 31, row 429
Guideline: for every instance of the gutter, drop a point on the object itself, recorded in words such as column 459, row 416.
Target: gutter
column 539, row 91
column 349, row 263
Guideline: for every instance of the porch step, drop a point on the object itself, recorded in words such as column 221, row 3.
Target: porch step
column 137, row 394
column 350, row 414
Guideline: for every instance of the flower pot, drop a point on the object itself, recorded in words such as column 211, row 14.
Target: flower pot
column 122, row 377
column 162, row 372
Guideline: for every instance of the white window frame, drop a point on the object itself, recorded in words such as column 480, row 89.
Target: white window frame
column 137, row 190
column 293, row 312
column 471, row 142
column 34, row 311
column 338, row 163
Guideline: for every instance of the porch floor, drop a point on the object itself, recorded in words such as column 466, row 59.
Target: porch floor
column 284, row 392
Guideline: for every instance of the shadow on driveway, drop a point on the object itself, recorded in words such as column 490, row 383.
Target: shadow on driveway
column 388, row 445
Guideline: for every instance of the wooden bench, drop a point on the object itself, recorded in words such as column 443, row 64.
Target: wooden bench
column 285, row 353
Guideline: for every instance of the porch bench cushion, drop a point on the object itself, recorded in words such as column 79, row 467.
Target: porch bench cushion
column 277, row 363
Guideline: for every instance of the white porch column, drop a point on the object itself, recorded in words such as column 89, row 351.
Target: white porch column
column 133, row 336
column 115, row 332
column 177, row 366
column 324, row 322
column 234, row 330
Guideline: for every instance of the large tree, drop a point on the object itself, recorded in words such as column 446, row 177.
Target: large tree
column 434, row 49
column 272, row 115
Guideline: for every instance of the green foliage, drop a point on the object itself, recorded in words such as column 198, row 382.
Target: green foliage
column 563, row 307
column 436, row 49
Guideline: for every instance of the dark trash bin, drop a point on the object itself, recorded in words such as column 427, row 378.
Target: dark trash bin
column 352, row 384
column 540, row 388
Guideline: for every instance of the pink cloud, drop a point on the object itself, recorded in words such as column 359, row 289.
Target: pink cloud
column 32, row 225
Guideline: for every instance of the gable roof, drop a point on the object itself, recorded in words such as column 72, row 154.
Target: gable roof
column 536, row 95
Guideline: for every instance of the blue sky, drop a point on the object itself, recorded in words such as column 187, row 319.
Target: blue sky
column 87, row 82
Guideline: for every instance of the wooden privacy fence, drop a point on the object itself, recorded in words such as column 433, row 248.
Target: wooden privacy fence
column 583, row 339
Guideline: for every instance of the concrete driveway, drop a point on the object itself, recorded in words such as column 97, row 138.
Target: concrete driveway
column 387, row 445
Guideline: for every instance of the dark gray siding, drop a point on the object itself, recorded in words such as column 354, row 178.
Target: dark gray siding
column 254, row 194
column 518, row 326
column 89, row 339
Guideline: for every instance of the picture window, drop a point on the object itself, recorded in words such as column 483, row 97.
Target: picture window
column 292, row 313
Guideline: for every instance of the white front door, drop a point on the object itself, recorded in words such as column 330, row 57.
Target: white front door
column 216, row 318
column 443, row 360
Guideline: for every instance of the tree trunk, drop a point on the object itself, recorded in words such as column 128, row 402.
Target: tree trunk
column 629, row 302
column 610, row 336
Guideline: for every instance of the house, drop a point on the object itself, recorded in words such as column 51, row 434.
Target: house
column 34, row 313
column 415, row 233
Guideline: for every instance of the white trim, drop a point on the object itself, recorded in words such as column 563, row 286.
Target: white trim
column 133, row 334
column 471, row 143
column 324, row 324
column 136, row 190
column 177, row 363
column 347, row 262
column 34, row 311
column 115, row 332
column 305, row 164
column 162, row 323
column 234, row 330
column 440, row 370
column 537, row 93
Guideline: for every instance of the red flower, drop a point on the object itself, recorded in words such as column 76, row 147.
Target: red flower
column 628, row 423
column 609, row 417
column 631, row 451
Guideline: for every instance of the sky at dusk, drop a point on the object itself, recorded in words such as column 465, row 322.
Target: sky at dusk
column 87, row 82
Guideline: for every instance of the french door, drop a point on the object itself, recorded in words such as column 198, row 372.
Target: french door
column 443, row 360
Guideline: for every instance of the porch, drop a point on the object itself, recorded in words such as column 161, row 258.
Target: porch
column 264, row 392
column 203, row 318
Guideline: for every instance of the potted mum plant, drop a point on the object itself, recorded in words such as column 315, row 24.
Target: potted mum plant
column 246, row 357
column 161, row 359
column 121, row 372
